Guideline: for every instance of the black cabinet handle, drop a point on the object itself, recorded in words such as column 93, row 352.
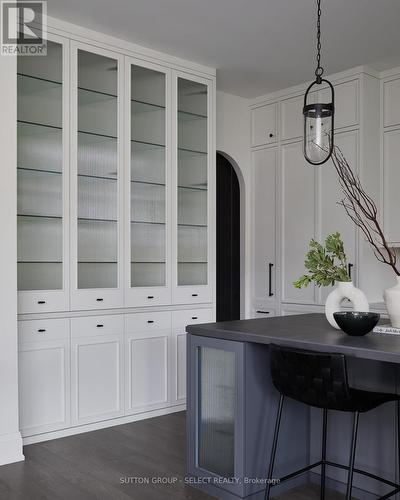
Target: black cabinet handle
column 41, row 330
column 100, row 299
column 270, row 266
column 150, row 296
column 99, row 326
column 262, row 312
column 194, row 317
column 41, row 302
column 349, row 267
column 195, row 294
column 271, row 135
column 150, row 321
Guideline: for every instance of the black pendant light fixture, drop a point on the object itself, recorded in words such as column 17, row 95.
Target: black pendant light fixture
column 318, row 117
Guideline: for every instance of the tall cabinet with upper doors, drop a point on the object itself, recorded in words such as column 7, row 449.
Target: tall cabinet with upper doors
column 115, row 212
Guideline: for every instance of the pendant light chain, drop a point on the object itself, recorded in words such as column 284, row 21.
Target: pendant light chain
column 319, row 70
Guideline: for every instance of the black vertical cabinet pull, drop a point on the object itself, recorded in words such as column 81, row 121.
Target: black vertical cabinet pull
column 350, row 266
column 270, row 266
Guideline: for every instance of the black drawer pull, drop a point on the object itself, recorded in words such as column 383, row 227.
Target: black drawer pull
column 99, row 326
column 100, row 299
column 262, row 312
column 271, row 135
column 41, row 330
column 350, row 266
column 41, row 302
column 150, row 296
column 194, row 317
column 150, row 321
column 195, row 294
column 270, row 266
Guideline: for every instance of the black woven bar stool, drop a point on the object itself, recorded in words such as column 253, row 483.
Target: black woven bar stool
column 320, row 380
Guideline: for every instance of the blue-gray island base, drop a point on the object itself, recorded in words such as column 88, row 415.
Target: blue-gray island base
column 232, row 407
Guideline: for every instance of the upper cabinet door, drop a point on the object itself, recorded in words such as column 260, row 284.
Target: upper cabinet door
column 42, row 169
column 96, row 178
column 147, row 190
column 193, row 174
column 264, row 125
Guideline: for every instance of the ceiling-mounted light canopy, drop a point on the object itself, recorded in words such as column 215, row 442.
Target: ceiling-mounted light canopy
column 318, row 117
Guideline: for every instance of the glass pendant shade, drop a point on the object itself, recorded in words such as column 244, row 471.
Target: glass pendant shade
column 318, row 128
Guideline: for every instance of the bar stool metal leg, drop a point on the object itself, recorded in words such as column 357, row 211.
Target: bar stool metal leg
column 352, row 455
column 323, row 458
column 398, row 438
column 274, row 445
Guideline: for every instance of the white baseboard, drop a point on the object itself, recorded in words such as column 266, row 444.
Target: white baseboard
column 11, row 448
column 70, row 431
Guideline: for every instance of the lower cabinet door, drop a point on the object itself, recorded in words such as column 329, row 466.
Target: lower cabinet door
column 97, row 378
column 178, row 362
column 44, row 386
column 147, row 368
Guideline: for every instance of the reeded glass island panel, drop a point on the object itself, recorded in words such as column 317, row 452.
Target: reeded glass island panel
column 39, row 170
column 148, row 164
column 192, row 182
column 97, row 171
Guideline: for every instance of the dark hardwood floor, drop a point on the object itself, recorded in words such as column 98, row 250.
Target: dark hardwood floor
column 103, row 465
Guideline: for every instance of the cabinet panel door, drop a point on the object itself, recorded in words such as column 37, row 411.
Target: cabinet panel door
column 193, row 187
column 292, row 122
column 298, row 220
column 391, row 103
column 147, row 191
column 96, row 178
column 97, row 378
column 391, row 174
column 43, row 182
column 346, row 103
column 264, row 125
column 146, row 370
column 44, row 386
column 264, row 206
column 333, row 216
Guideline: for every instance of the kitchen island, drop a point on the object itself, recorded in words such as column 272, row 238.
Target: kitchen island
column 232, row 407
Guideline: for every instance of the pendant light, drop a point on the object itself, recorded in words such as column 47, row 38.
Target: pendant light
column 318, row 117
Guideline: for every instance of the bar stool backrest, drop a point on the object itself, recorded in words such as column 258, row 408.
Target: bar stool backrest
column 317, row 379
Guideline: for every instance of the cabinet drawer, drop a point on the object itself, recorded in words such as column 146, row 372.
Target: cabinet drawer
column 264, row 125
column 39, row 330
column 97, row 325
column 391, row 103
column 143, row 322
column 37, row 302
column 192, row 295
column 180, row 319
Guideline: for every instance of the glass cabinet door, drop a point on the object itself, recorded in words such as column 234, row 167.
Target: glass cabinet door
column 42, row 181
column 96, row 183
column 147, row 191
column 192, row 179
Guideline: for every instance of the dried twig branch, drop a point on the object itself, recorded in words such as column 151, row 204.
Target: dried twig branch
column 361, row 209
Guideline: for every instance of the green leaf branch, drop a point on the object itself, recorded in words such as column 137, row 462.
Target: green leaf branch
column 326, row 264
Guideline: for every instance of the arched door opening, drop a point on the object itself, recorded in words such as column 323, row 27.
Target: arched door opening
column 228, row 241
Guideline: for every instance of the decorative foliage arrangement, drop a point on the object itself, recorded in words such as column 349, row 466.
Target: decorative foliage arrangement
column 326, row 264
column 361, row 209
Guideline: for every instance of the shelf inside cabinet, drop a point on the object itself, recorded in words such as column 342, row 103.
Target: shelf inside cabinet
column 24, row 75
column 185, row 116
column 145, row 107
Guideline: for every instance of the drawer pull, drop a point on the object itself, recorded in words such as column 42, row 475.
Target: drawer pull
column 195, row 294
column 41, row 330
column 99, row 326
column 150, row 296
column 150, row 321
column 262, row 312
column 100, row 299
column 271, row 135
column 194, row 317
column 41, row 302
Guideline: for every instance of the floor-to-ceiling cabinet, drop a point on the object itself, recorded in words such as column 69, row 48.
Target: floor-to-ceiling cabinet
column 116, row 179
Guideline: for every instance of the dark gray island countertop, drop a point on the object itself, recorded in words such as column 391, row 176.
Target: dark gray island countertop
column 307, row 331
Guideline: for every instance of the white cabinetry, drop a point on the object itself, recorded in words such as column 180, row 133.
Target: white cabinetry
column 391, row 173
column 391, row 102
column 44, row 375
column 264, row 125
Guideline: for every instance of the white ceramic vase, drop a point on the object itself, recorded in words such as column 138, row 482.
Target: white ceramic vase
column 392, row 301
column 346, row 290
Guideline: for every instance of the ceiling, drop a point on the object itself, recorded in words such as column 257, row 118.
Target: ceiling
column 257, row 46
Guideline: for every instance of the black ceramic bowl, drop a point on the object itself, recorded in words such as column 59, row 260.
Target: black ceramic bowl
column 356, row 323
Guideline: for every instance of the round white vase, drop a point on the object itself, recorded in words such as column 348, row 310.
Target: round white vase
column 345, row 290
column 392, row 301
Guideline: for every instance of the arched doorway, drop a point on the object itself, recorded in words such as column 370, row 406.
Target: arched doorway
column 228, row 240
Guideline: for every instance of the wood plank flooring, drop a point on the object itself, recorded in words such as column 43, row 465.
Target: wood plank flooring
column 102, row 465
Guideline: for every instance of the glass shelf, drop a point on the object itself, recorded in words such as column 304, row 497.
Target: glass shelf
column 187, row 116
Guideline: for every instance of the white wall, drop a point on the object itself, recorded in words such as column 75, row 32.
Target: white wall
column 233, row 139
column 10, row 438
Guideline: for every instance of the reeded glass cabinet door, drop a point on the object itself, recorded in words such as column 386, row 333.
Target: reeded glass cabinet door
column 42, row 180
column 147, row 189
column 192, row 183
column 96, row 184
